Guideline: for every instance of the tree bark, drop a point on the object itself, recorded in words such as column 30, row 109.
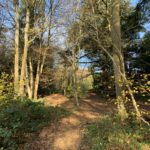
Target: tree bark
column 25, row 53
column 41, row 63
column 16, row 63
column 31, row 77
column 75, row 83
column 40, row 67
column 37, row 79
column 28, row 87
column 118, row 63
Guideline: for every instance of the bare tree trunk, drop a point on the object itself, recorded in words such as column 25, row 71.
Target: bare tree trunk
column 75, row 84
column 28, row 88
column 37, row 78
column 118, row 58
column 39, row 72
column 25, row 53
column 16, row 63
column 31, row 80
column 40, row 64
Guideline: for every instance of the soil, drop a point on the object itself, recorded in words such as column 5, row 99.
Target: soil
column 67, row 133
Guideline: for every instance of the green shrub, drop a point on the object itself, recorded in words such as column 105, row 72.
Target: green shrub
column 85, row 85
column 104, row 84
column 22, row 116
column 6, row 86
column 109, row 133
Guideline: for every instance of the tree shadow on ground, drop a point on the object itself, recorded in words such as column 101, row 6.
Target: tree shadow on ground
column 20, row 119
column 66, row 134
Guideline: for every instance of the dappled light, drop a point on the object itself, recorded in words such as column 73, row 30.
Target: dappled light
column 74, row 74
column 67, row 134
column 55, row 100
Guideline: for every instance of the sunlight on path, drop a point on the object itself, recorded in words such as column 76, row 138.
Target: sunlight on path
column 68, row 132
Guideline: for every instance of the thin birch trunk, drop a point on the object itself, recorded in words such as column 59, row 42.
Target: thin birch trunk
column 25, row 53
column 16, row 63
column 37, row 78
column 31, row 77
column 40, row 67
column 75, row 86
column 41, row 64
column 28, row 87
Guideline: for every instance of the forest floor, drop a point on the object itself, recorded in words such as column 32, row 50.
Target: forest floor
column 67, row 134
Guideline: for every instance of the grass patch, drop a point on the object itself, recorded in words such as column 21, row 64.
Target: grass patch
column 109, row 133
column 85, row 85
column 22, row 116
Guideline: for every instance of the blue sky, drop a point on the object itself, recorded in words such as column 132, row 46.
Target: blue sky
column 134, row 2
column 147, row 26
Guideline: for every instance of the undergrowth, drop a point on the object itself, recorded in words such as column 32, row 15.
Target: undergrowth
column 22, row 116
column 109, row 134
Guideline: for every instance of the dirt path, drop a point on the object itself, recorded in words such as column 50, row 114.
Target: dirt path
column 68, row 132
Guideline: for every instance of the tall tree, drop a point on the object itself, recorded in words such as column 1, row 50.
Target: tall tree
column 16, row 63
column 25, row 51
column 118, row 61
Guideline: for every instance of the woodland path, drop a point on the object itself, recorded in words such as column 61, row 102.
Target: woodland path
column 67, row 134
